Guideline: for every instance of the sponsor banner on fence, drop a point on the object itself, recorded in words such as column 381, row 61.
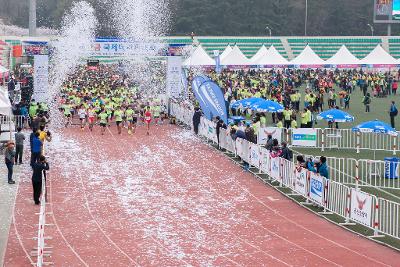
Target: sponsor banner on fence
column 317, row 188
column 275, row 168
column 255, row 155
column 304, row 137
column 239, row 147
column 264, row 132
column 301, row 181
column 174, row 76
column 265, row 162
column 361, row 207
column 41, row 78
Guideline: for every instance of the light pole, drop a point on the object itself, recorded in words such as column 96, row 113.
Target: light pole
column 306, row 19
column 269, row 29
column 32, row 17
column 372, row 28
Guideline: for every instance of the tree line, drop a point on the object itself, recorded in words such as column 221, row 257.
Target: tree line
column 227, row 17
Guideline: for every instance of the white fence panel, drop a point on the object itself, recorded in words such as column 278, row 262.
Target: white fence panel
column 288, row 173
column 265, row 161
column 338, row 198
column 389, row 217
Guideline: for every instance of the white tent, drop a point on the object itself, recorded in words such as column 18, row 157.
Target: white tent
column 272, row 57
column 343, row 57
column 379, row 56
column 199, row 58
column 307, row 57
column 260, row 53
column 226, row 52
column 235, row 58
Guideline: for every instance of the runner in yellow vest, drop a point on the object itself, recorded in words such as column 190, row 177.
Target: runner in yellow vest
column 118, row 113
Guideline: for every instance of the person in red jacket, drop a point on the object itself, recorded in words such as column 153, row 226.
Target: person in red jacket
column 394, row 87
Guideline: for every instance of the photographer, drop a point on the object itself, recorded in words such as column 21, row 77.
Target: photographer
column 38, row 169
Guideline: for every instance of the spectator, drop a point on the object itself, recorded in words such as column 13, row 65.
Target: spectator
column 19, row 145
column 393, row 112
column 250, row 135
column 301, row 163
column 38, row 170
column 311, row 164
column 323, row 168
column 347, row 101
column 269, row 143
column 367, row 102
column 9, row 160
column 36, row 148
column 286, row 152
column 220, row 124
column 196, row 120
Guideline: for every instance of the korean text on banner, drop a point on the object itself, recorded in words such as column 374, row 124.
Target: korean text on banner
column 174, row 76
column 275, row 168
column 317, row 188
column 301, row 181
column 214, row 98
column 276, row 133
column 41, row 78
column 361, row 207
column 304, row 137
column 196, row 83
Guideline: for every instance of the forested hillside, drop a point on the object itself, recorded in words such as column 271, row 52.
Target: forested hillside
column 227, row 17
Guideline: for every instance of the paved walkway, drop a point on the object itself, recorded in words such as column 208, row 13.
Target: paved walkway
column 7, row 200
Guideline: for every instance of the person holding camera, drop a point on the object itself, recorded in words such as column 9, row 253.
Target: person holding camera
column 39, row 169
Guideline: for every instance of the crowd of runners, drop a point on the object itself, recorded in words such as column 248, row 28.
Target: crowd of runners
column 105, row 97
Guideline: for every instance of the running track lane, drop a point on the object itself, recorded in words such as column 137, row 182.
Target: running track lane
column 169, row 200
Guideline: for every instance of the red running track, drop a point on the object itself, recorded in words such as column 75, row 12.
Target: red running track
column 169, row 200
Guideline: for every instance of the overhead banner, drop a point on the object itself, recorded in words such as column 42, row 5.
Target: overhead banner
column 41, row 78
column 196, row 83
column 174, row 77
column 361, row 207
column 301, row 181
column 304, row 137
column 317, row 188
column 214, row 98
column 276, row 133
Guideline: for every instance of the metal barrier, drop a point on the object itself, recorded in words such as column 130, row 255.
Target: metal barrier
column 389, row 217
column 338, row 199
column 13, row 122
column 380, row 215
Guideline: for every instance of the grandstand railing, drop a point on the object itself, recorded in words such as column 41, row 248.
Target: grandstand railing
column 351, row 204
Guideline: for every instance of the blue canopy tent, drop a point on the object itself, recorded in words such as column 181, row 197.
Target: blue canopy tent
column 246, row 103
column 377, row 127
column 335, row 115
column 267, row 106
